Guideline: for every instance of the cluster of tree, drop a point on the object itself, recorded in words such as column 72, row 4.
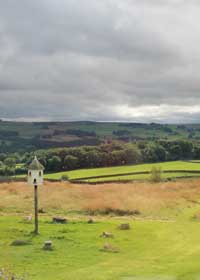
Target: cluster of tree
column 111, row 154
column 115, row 153
column 169, row 150
column 8, row 164
column 88, row 157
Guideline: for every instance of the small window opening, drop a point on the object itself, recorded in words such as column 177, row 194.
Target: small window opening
column 29, row 173
column 40, row 173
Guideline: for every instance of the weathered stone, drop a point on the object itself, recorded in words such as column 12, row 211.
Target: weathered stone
column 110, row 248
column 107, row 235
column 59, row 220
column 124, row 226
column 28, row 219
column 47, row 245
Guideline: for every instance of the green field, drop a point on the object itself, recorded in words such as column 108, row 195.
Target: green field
column 120, row 170
column 150, row 250
column 163, row 242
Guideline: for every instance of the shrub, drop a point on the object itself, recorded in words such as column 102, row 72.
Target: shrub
column 64, row 178
column 156, row 174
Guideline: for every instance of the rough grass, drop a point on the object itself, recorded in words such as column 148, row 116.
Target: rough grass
column 147, row 198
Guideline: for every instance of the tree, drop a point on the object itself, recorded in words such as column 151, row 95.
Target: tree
column 9, row 171
column 70, row 162
column 2, row 156
column 17, row 157
column 175, row 152
column 42, row 160
column 118, row 158
column 154, row 153
column 10, row 162
column 93, row 158
column 187, row 149
column 196, row 152
column 54, row 164
column 160, row 152
column 132, row 155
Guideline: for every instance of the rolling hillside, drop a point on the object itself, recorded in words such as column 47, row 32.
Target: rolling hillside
column 24, row 136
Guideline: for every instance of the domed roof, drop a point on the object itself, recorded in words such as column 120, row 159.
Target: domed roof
column 36, row 165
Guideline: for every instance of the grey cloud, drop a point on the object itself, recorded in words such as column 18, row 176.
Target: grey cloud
column 78, row 60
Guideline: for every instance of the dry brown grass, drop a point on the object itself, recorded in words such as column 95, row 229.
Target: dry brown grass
column 61, row 196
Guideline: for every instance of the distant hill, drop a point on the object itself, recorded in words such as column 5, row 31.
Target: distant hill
column 26, row 136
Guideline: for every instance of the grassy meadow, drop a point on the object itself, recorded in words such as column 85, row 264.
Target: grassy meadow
column 171, row 169
column 163, row 242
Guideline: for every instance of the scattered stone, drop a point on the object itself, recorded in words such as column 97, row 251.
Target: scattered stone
column 110, row 248
column 91, row 221
column 19, row 243
column 28, row 218
column 59, row 220
column 124, row 226
column 107, row 235
column 48, row 245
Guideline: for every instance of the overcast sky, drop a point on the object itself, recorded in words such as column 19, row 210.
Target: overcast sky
column 101, row 60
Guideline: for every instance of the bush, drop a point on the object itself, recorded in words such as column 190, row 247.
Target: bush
column 64, row 178
column 156, row 174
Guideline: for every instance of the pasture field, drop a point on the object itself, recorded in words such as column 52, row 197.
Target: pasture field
column 119, row 172
column 163, row 242
column 142, row 177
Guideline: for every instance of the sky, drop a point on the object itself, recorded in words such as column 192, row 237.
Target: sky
column 100, row 60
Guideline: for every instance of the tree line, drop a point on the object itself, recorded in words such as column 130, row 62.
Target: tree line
column 105, row 155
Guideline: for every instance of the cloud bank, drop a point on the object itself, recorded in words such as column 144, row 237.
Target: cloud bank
column 108, row 60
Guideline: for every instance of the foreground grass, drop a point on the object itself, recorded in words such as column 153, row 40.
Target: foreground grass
column 163, row 242
column 150, row 249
